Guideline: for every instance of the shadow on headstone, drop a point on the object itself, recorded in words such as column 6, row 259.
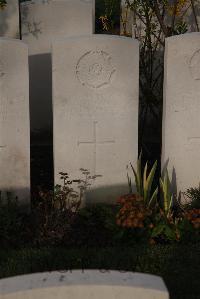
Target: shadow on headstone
column 41, row 121
column 19, row 196
column 40, row 74
column 106, row 194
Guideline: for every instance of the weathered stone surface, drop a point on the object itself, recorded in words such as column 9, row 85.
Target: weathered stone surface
column 95, row 100
column 83, row 285
column 42, row 21
column 9, row 20
column 14, row 119
column 181, row 122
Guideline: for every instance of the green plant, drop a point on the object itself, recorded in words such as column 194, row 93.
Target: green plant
column 57, row 209
column 66, row 196
column 167, row 197
column 3, row 4
column 14, row 223
column 94, row 225
column 144, row 182
column 164, row 227
column 165, row 221
column 106, row 12
column 189, row 226
column 165, row 224
column 193, row 194
column 193, row 216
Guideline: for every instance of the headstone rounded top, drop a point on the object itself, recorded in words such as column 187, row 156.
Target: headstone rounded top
column 13, row 40
column 95, row 37
column 50, row 1
column 181, row 37
column 80, row 277
column 10, row 39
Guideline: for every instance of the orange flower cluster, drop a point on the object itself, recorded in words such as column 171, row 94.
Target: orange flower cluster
column 133, row 211
column 193, row 216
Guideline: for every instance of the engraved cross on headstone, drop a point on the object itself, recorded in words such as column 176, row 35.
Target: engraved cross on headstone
column 95, row 143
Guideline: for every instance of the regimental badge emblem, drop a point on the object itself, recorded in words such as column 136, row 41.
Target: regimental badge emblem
column 95, row 69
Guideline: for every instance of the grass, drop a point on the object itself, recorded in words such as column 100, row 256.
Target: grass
column 177, row 264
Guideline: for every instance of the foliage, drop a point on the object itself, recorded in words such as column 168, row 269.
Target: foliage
column 167, row 197
column 57, row 209
column 178, row 264
column 144, row 182
column 153, row 224
column 162, row 222
column 153, row 21
column 14, row 224
column 56, row 219
column 165, row 223
column 193, row 194
column 106, row 15
column 165, row 228
column 94, row 226
column 188, row 232
column 3, row 4
column 193, row 216
column 133, row 211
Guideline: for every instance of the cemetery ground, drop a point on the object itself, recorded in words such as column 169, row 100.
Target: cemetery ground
column 177, row 264
column 47, row 239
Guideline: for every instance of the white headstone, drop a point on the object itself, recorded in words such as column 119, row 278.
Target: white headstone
column 42, row 21
column 181, row 121
column 83, row 285
column 9, row 20
column 14, row 119
column 95, row 100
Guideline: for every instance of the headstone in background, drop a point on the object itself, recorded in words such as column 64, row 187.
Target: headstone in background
column 14, row 119
column 181, row 110
column 95, row 101
column 42, row 21
column 83, row 285
column 9, row 20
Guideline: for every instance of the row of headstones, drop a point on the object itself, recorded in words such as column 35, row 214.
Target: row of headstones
column 95, row 100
